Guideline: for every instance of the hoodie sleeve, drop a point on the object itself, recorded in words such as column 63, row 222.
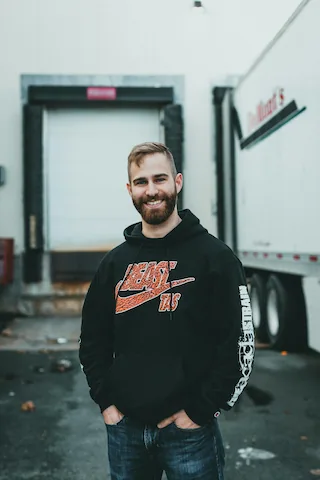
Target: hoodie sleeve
column 96, row 338
column 234, row 344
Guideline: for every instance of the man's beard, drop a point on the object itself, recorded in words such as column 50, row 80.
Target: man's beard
column 159, row 215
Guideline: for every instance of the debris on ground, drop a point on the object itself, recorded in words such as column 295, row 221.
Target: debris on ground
column 303, row 437
column 315, row 472
column 11, row 394
column 28, row 381
column 28, row 406
column 6, row 332
column 38, row 369
column 5, row 320
column 284, row 353
column 62, row 365
column 261, row 346
column 58, row 341
column 250, row 453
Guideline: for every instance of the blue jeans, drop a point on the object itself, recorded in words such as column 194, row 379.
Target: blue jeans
column 140, row 452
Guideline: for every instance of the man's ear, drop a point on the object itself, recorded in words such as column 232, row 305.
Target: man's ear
column 129, row 189
column 179, row 182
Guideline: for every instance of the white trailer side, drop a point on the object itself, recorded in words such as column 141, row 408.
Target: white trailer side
column 271, row 167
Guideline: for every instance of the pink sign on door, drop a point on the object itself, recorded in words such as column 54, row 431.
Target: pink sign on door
column 101, row 93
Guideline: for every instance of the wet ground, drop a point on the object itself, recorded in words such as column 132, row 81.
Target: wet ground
column 273, row 432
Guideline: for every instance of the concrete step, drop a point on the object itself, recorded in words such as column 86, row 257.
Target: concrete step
column 54, row 300
column 41, row 333
column 51, row 305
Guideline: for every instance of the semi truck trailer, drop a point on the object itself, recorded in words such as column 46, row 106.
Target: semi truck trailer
column 267, row 153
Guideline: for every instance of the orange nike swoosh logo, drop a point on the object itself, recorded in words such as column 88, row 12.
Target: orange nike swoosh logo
column 123, row 304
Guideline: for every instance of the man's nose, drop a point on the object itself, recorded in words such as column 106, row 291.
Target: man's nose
column 152, row 190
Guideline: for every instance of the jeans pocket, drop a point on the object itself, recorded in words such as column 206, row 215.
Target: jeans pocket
column 190, row 430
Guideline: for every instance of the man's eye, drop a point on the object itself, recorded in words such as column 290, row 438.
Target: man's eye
column 160, row 179
column 140, row 182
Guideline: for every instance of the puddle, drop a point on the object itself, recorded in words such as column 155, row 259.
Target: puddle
column 258, row 396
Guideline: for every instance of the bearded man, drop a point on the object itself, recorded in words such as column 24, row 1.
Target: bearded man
column 167, row 338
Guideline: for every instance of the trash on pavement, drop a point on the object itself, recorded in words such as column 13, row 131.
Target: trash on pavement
column 58, row 340
column 315, row 472
column 28, row 406
column 38, row 369
column 62, row 365
column 28, row 381
column 6, row 332
column 250, row 453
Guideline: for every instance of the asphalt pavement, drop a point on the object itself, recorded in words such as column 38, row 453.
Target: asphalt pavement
column 273, row 432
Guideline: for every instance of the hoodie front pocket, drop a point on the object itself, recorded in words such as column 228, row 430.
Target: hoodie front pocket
column 145, row 380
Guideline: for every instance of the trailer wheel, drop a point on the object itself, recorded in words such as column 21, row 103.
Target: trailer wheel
column 258, row 305
column 285, row 313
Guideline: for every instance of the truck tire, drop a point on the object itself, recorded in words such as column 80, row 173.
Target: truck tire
column 258, row 305
column 285, row 313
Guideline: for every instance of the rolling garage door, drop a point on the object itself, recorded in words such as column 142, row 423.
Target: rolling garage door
column 86, row 173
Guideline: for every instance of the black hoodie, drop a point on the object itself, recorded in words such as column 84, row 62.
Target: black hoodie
column 167, row 326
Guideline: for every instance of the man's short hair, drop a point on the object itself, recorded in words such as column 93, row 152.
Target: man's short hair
column 138, row 153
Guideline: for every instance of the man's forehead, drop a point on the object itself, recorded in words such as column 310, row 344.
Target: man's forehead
column 151, row 165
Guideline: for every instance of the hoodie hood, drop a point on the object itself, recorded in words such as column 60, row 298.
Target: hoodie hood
column 189, row 227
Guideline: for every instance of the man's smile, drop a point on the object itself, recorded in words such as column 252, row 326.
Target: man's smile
column 154, row 203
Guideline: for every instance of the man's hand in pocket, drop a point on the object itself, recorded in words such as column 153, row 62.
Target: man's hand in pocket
column 112, row 415
column 181, row 420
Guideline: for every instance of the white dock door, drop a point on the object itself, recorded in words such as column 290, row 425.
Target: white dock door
column 87, row 204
